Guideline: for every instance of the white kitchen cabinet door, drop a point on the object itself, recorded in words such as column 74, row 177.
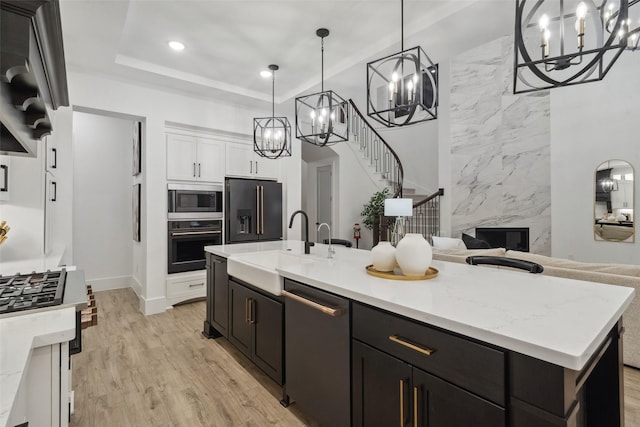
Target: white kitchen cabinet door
column 50, row 206
column 182, row 157
column 267, row 168
column 5, row 172
column 211, row 160
column 240, row 160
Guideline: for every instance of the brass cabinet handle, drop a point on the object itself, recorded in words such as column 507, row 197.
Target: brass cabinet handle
column 335, row 312
column 415, row 406
column 252, row 317
column 261, row 205
column 401, row 403
column 258, row 209
column 398, row 340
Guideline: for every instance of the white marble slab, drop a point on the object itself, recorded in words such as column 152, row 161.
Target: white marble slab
column 557, row 320
column 500, row 148
column 18, row 336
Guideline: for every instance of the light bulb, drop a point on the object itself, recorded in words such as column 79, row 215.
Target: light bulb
column 267, row 134
column 543, row 23
column 323, row 112
column 410, row 86
column 333, row 115
column 176, row 45
column 313, row 114
column 321, row 119
column 415, row 78
column 581, row 10
column 394, row 77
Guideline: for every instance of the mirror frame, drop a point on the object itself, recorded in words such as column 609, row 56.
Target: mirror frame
column 599, row 223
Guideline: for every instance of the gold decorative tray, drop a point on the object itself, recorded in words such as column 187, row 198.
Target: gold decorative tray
column 429, row 274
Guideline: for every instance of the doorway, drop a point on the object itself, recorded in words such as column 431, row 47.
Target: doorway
column 324, row 200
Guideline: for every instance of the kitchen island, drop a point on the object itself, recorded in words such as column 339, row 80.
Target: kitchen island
column 552, row 344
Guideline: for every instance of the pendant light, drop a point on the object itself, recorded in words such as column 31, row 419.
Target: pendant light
column 272, row 135
column 322, row 118
column 564, row 42
column 631, row 26
column 402, row 89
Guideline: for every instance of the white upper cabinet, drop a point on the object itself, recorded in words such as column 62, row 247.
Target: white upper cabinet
column 242, row 161
column 190, row 158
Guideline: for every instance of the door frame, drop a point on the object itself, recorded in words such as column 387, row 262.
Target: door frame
column 312, row 195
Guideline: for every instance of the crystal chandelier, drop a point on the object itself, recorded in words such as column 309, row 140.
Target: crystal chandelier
column 564, row 42
column 402, row 88
column 272, row 135
column 322, row 118
column 631, row 27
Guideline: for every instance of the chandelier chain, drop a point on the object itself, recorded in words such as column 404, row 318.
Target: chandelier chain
column 322, row 65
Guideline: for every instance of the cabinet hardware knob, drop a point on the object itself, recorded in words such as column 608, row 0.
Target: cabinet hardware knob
column 396, row 339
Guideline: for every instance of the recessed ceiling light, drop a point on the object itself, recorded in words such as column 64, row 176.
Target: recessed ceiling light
column 265, row 73
column 176, row 45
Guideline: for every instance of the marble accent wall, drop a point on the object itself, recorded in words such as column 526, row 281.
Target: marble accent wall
column 500, row 148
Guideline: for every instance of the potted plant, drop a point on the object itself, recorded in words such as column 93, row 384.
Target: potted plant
column 373, row 215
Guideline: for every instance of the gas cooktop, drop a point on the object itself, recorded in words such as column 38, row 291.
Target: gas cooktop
column 31, row 291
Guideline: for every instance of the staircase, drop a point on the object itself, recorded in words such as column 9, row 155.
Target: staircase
column 384, row 164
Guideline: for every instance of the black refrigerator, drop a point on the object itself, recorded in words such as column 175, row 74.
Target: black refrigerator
column 253, row 210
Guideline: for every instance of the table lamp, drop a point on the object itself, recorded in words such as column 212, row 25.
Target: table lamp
column 398, row 208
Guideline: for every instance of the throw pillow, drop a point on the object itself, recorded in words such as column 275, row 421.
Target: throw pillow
column 444, row 243
column 473, row 243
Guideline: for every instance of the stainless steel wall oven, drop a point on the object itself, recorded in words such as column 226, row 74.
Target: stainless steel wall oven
column 187, row 239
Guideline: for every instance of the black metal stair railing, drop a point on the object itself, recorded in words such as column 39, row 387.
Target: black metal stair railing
column 375, row 149
column 426, row 216
column 385, row 161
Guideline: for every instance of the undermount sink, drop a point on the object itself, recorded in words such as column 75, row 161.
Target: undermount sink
column 259, row 269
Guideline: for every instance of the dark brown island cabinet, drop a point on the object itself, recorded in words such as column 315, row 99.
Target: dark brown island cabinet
column 249, row 318
column 349, row 363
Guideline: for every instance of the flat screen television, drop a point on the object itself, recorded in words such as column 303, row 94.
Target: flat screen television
column 510, row 238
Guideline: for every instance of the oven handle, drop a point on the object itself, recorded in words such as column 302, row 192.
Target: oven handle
column 194, row 233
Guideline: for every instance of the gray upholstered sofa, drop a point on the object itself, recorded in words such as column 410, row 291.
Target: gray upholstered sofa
column 613, row 274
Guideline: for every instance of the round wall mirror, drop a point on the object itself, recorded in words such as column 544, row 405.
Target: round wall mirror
column 613, row 202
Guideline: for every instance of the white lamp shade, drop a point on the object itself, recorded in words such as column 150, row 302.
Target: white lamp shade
column 398, row 207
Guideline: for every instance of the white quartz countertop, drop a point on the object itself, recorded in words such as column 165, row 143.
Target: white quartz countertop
column 557, row 320
column 18, row 336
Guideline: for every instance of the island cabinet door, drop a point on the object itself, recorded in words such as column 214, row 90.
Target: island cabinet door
column 267, row 320
column 381, row 388
column 437, row 403
column 240, row 328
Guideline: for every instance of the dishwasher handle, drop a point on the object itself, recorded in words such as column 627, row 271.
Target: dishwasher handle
column 334, row 312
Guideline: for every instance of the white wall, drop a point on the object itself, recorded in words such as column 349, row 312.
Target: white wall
column 155, row 107
column 102, row 207
column 592, row 123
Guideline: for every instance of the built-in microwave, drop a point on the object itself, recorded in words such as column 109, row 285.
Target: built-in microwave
column 195, row 201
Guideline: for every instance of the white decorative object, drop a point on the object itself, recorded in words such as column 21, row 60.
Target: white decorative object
column 383, row 256
column 413, row 254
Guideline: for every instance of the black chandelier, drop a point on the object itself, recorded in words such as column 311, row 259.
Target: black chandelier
column 402, row 89
column 322, row 118
column 633, row 18
column 272, row 135
column 565, row 42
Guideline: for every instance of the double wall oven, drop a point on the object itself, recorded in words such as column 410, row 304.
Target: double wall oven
column 195, row 220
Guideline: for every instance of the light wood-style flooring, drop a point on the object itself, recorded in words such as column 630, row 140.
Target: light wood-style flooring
column 158, row 370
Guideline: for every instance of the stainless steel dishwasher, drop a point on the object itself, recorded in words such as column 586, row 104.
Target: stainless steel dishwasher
column 317, row 353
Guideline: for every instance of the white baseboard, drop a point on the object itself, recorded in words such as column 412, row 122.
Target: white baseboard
column 136, row 286
column 152, row 305
column 108, row 283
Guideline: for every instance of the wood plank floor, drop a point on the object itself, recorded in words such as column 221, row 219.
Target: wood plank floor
column 158, row 370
